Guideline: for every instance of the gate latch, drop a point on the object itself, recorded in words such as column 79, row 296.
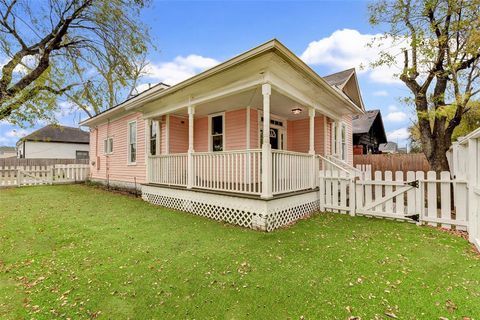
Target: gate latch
column 413, row 183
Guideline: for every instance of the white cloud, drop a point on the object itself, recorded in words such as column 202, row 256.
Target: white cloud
column 398, row 135
column 380, row 93
column 397, row 116
column 179, row 69
column 349, row 48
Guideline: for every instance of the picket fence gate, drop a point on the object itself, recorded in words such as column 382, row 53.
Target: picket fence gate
column 40, row 175
column 415, row 197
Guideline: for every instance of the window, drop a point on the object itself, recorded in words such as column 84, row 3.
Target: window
column 334, row 138
column 132, row 142
column 217, row 140
column 343, row 142
column 153, row 137
column 81, row 155
column 108, row 146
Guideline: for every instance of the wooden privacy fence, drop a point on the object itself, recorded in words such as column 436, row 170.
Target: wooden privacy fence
column 414, row 196
column 38, row 162
column 38, row 175
column 393, row 162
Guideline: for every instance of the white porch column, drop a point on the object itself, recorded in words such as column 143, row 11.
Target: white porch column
column 311, row 114
column 311, row 151
column 190, row 167
column 266, row 147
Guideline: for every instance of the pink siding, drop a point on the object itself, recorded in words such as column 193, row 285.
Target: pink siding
column 254, row 132
column 200, row 134
column 298, row 132
column 115, row 166
column 163, row 131
column 348, row 121
column 178, row 134
column 235, row 130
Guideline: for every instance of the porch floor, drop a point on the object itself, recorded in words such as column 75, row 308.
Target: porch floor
column 234, row 194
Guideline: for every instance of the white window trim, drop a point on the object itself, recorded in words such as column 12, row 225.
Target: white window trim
column 157, row 138
column 281, row 129
column 105, row 142
column 130, row 163
column 343, row 152
column 210, row 145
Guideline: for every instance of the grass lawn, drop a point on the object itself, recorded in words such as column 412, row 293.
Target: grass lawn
column 81, row 252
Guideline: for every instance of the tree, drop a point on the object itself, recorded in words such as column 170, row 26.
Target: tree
column 440, row 41
column 91, row 52
column 470, row 121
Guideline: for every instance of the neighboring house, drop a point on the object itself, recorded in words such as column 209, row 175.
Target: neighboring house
column 7, row 152
column 55, row 142
column 389, row 147
column 368, row 132
column 241, row 142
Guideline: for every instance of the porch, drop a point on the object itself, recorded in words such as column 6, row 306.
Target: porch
column 273, row 146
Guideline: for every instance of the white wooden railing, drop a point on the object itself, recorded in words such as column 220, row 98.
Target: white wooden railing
column 170, row 169
column 293, row 171
column 232, row 171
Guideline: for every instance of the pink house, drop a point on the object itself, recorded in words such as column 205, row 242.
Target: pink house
column 241, row 142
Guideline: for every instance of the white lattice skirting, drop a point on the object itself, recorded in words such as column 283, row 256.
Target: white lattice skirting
column 251, row 213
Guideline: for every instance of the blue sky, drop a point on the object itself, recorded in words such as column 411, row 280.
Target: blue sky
column 329, row 35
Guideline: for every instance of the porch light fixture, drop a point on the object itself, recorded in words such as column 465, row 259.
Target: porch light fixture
column 297, row 110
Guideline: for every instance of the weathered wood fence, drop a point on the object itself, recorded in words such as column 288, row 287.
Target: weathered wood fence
column 393, row 162
column 38, row 175
column 38, row 162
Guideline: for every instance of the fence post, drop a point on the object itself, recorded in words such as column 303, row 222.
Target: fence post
column 352, row 194
column 321, row 191
column 19, row 177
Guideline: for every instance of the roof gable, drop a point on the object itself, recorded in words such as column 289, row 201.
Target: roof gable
column 347, row 81
column 363, row 123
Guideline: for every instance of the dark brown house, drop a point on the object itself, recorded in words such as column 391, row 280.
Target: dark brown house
column 368, row 132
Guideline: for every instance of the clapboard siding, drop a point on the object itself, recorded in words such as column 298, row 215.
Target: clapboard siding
column 115, row 166
column 200, row 134
column 178, row 134
column 298, row 135
column 235, row 132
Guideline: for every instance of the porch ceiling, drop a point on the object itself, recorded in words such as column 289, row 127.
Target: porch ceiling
column 280, row 104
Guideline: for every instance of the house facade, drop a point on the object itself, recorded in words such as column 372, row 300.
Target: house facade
column 368, row 132
column 55, row 142
column 241, row 142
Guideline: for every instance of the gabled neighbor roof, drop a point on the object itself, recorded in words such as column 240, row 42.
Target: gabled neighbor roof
column 339, row 79
column 57, row 133
column 362, row 123
column 388, row 147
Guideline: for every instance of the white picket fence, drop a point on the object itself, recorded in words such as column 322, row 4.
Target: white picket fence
column 431, row 199
column 39, row 175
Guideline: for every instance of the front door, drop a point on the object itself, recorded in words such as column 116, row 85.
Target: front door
column 274, row 138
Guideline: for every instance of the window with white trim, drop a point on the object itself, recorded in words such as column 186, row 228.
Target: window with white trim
column 108, row 145
column 334, row 139
column 343, row 141
column 132, row 142
column 153, row 137
column 216, row 132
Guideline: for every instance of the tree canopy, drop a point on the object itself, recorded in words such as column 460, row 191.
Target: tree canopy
column 88, row 52
column 439, row 41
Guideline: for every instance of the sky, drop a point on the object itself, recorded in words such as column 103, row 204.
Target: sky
column 330, row 36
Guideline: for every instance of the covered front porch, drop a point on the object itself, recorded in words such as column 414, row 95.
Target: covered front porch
column 262, row 141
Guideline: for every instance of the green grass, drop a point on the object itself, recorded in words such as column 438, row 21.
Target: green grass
column 81, row 252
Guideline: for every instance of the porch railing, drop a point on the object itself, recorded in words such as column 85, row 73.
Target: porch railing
column 232, row 171
column 236, row 171
column 168, row 169
column 293, row 171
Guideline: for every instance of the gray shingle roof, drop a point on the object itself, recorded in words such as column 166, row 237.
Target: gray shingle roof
column 57, row 133
column 362, row 123
column 340, row 78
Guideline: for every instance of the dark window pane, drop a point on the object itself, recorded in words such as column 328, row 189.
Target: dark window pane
column 133, row 153
column 81, row 155
column 217, row 143
column 153, row 147
column 217, row 125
